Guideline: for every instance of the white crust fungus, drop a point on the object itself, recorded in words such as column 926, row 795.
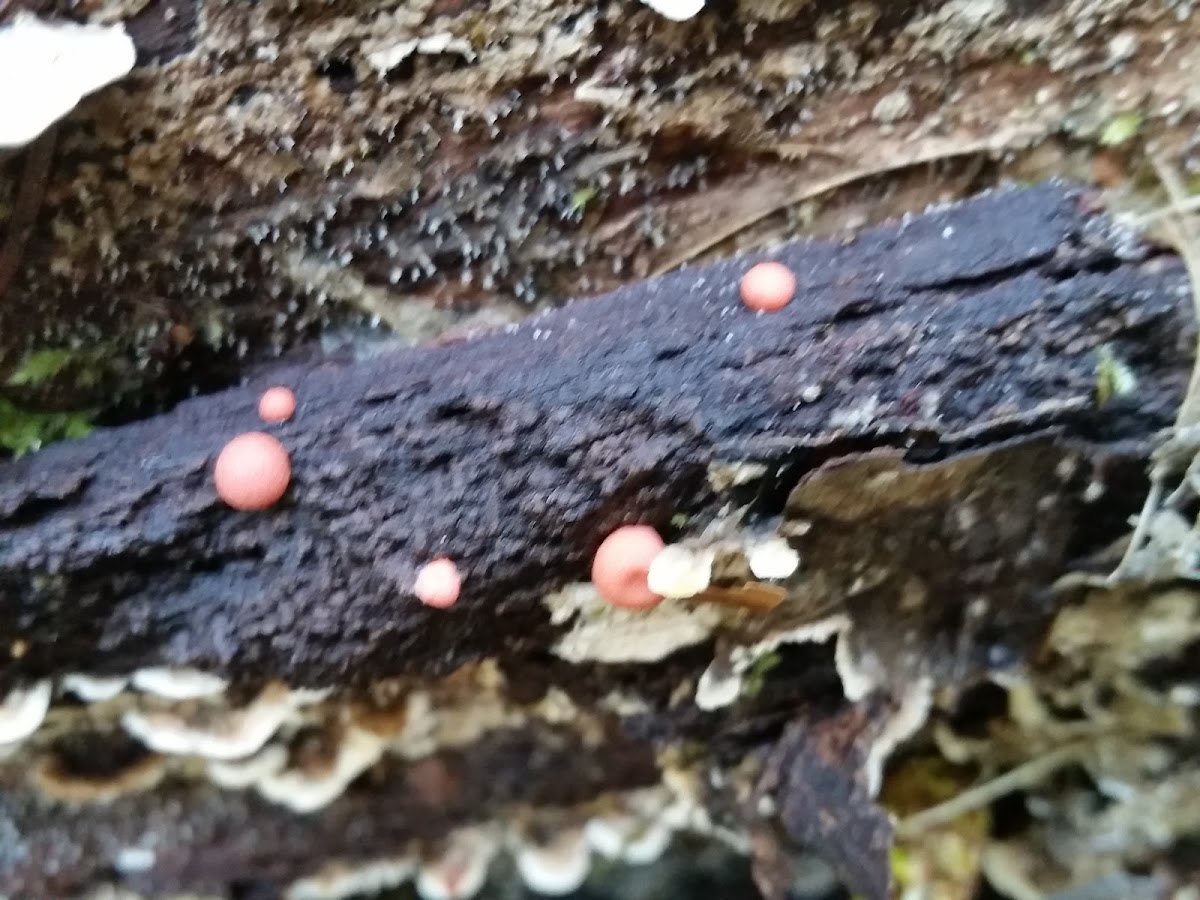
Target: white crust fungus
column 907, row 720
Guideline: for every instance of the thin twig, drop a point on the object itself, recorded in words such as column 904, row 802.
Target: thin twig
column 1024, row 775
column 1149, row 510
column 810, row 191
column 1179, row 230
column 1141, row 222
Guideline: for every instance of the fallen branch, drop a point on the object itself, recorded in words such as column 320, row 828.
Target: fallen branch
column 920, row 424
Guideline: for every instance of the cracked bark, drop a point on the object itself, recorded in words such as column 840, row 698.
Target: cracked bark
column 941, row 365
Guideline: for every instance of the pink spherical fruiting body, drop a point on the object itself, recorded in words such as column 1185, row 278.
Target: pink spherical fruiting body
column 438, row 583
column 277, row 404
column 621, row 564
column 252, row 471
column 768, row 287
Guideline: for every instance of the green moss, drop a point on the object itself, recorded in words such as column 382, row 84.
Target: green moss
column 756, row 677
column 1120, row 129
column 25, row 431
column 1113, row 377
column 40, row 366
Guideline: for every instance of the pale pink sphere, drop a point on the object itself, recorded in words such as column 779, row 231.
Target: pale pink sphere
column 252, row 471
column 621, row 564
column 768, row 287
column 277, row 404
column 438, row 583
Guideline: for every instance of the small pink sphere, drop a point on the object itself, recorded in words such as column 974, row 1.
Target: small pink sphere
column 768, row 287
column 277, row 404
column 621, row 564
column 438, row 583
column 252, row 471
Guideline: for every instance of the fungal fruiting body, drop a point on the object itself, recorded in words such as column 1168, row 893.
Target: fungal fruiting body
column 277, row 404
column 438, row 583
column 621, row 566
column 676, row 10
column 22, row 711
column 460, row 869
column 252, row 471
column 768, row 287
column 557, row 867
column 48, row 67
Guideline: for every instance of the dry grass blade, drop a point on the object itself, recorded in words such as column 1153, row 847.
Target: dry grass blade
column 1180, row 231
column 936, row 151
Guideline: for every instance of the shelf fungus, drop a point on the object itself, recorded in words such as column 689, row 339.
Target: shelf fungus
column 338, row 880
column 556, row 866
column 94, row 688
column 22, row 711
column 458, row 869
column 105, row 774
column 215, row 733
column 315, row 779
column 178, row 683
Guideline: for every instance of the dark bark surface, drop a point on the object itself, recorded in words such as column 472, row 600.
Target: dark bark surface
column 517, row 452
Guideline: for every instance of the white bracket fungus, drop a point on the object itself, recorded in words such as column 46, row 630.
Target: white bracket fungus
column 93, row 688
column 337, row 881
column 178, row 683
column 305, row 792
column 636, row 837
column 676, row 10
column 460, row 869
column 22, row 711
column 236, row 775
column 558, row 867
column 46, row 68
column 234, row 734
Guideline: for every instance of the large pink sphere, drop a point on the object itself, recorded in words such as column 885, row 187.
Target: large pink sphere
column 438, row 583
column 252, row 471
column 621, row 564
column 768, row 287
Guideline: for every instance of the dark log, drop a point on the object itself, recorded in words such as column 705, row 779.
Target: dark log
column 516, row 453
column 925, row 414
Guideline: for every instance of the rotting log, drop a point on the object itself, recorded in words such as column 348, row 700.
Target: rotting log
column 921, row 424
